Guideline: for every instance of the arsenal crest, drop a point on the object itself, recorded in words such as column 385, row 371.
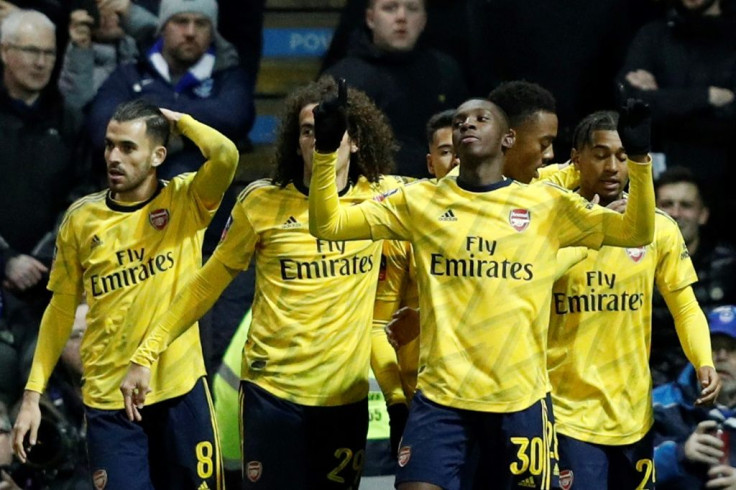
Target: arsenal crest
column 636, row 254
column 159, row 218
column 519, row 219
column 99, row 478
column 566, row 479
column 254, row 470
column 404, row 455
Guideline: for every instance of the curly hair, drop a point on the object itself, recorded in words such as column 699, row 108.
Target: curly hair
column 367, row 127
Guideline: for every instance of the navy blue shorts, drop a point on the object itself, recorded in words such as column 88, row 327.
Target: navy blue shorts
column 174, row 446
column 298, row 447
column 441, row 444
column 586, row 465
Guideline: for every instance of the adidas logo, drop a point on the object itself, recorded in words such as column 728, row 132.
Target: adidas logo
column 448, row 216
column 291, row 223
column 528, row 483
column 203, row 486
column 96, row 242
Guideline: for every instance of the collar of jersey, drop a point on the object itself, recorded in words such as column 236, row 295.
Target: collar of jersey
column 129, row 209
column 305, row 190
column 484, row 188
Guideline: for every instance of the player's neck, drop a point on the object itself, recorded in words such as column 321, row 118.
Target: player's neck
column 141, row 193
column 481, row 173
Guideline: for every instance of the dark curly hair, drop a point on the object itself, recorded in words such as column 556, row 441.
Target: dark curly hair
column 367, row 127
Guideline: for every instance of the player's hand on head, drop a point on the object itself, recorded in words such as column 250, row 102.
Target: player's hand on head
column 135, row 387
column 331, row 120
column 710, row 384
column 634, row 127
column 403, row 327
column 26, row 424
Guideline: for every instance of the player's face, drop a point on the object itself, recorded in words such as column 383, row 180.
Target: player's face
column 681, row 200
column 131, row 158
column 533, row 147
column 306, row 143
column 29, row 59
column 186, row 37
column 602, row 166
column 396, row 24
column 441, row 157
column 478, row 131
column 724, row 357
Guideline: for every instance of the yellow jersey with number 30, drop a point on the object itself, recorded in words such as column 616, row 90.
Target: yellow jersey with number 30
column 485, row 266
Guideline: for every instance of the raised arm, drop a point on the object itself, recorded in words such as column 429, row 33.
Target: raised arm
column 217, row 173
column 636, row 227
column 327, row 219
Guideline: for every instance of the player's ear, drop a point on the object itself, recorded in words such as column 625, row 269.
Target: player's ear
column 430, row 164
column 508, row 139
column 575, row 158
column 353, row 146
column 159, row 155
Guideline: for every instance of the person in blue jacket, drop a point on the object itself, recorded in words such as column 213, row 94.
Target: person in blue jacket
column 695, row 446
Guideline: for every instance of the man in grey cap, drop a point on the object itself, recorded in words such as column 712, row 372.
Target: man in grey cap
column 189, row 68
column 695, row 447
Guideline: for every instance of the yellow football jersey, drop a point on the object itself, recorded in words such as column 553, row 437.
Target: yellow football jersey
column 309, row 342
column 600, row 333
column 485, row 265
column 131, row 261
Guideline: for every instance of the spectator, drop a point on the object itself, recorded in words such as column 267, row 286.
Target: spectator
column 188, row 69
column 40, row 166
column 387, row 64
column 684, row 65
column 508, row 42
column 688, row 454
column 679, row 193
column 95, row 49
column 440, row 14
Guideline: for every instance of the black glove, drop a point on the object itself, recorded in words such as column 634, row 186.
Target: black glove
column 331, row 120
column 397, row 415
column 635, row 127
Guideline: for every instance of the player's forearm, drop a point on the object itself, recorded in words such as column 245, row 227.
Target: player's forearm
column 691, row 326
column 195, row 300
column 386, row 367
column 56, row 326
column 327, row 218
column 217, row 173
column 635, row 228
